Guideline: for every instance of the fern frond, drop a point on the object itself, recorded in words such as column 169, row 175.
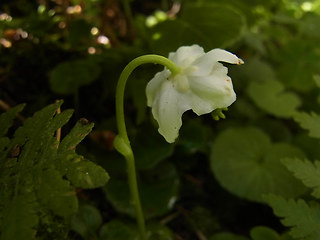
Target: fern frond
column 303, row 219
column 42, row 175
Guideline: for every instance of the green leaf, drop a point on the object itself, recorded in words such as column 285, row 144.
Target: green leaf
column 194, row 136
column 310, row 122
column 256, row 70
column 157, row 231
column 208, row 24
column 33, row 162
column 263, row 233
column 303, row 219
column 150, row 149
column 158, row 191
column 307, row 171
column 297, row 61
column 69, row 76
column 271, row 96
column 87, row 221
column 36, row 129
column 7, row 118
column 247, row 163
column 86, row 174
column 20, row 218
column 116, row 229
column 76, row 135
column 227, row 236
column 309, row 24
column 57, row 194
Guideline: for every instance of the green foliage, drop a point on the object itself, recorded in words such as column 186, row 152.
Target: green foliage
column 306, row 171
column 68, row 76
column 159, row 189
column 248, row 154
column 118, row 230
column 34, row 172
column 54, row 48
column 263, row 233
column 204, row 23
column 270, row 96
column 150, row 149
column 302, row 217
column 87, row 221
column 309, row 122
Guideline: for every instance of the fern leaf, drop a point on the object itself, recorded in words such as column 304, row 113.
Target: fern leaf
column 80, row 172
column 21, row 218
column 53, row 171
column 303, row 219
column 76, row 135
column 7, row 118
column 57, row 194
column 5, row 123
column 306, row 171
column 86, row 174
column 310, row 122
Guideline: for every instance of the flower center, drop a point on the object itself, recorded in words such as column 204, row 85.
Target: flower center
column 181, row 83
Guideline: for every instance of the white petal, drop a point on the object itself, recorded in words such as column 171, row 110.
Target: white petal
column 167, row 109
column 204, row 63
column 199, row 106
column 154, row 85
column 216, row 90
column 184, row 56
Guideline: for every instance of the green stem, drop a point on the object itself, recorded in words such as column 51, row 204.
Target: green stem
column 122, row 143
column 156, row 59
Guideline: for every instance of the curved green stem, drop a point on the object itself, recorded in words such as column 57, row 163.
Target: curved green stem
column 123, row 80
column 122, row 143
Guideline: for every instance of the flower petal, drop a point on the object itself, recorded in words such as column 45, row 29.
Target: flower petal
column 167, row 108
column 184, row 56
column 215, row 89
column 154, row 84
column 199, row 106
column 204, row 63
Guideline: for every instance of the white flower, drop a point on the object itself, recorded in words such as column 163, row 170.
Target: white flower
column 202, row 85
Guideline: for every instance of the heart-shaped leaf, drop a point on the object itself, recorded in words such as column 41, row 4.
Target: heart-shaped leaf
column 271, row 97
column 247, row 163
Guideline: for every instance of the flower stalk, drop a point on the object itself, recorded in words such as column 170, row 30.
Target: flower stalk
column 122, row 143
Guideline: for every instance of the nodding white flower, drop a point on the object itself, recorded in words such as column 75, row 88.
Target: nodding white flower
column 201, row 85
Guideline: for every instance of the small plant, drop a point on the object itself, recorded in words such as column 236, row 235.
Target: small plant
column 193, row 80
column 39, row 174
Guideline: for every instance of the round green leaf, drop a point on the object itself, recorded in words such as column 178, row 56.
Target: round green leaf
column 86, row 221
column 271, row 97
column 158, row 191
column 263, row 233
column 156, row 231
column 207, row 24
column 117, row 230
column 247, row 163
column 67, row 77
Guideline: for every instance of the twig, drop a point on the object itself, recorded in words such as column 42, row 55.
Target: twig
column 169, row 218
column 199, row 234
column 58, row 135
